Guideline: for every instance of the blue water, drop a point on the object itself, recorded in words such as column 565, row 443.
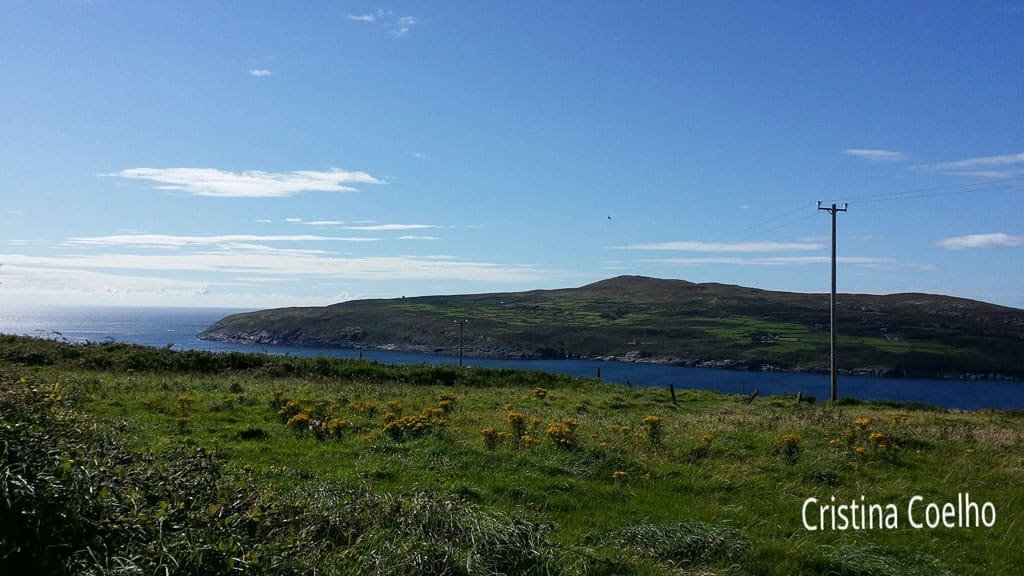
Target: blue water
column 178, row 326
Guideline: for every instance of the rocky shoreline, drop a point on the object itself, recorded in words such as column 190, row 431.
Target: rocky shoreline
column 493, row 350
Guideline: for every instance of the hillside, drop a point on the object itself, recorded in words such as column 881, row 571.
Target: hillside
column 670, row 321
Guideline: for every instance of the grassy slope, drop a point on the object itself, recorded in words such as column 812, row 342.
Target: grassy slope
column 722, row 466
column 669, row 320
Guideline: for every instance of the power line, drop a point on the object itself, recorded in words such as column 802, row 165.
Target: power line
column 949, row 190
column 786, row 218
column 749, row 231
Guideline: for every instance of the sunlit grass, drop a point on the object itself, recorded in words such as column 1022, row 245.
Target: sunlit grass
column 608, row 467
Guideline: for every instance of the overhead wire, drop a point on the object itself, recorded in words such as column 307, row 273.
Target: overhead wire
column 793, row 215
column 950, row 190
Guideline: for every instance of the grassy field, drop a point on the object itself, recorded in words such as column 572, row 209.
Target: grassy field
column 127, row 460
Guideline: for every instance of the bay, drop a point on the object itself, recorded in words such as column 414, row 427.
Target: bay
column 177, row 328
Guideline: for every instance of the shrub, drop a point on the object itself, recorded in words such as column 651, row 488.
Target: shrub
column 517, row 421
column 491, row 438
column 653, row 427
column 563, row 433
column 402, row 428
column 789, row 448
column 299, row 423
column 288, row 410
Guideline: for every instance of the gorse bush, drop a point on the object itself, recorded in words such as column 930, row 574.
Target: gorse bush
column 654, row 428
column 563, row 433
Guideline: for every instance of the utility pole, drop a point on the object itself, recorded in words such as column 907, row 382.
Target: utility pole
column 832, row 301
column 462, row 324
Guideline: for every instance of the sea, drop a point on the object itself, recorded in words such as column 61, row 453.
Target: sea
column 177, row 328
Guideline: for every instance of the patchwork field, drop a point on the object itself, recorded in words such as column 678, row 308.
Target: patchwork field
column 669, row 321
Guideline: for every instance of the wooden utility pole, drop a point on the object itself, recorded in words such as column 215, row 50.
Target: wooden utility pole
column 832, row 302
column 462, row 325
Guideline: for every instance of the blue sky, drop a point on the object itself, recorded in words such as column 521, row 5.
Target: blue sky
column 263, row 154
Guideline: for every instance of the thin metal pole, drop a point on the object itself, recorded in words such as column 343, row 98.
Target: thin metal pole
column 832, row 301
column 832, row 311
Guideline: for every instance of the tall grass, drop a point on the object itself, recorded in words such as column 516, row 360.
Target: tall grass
column 73, row 500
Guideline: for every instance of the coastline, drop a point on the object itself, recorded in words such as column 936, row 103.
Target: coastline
column 265, row 338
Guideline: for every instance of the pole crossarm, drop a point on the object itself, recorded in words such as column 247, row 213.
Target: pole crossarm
column 833, row 210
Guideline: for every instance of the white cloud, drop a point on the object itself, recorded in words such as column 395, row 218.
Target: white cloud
column 264, row 221
column 391, row 227
column 988, row 167
column 397, row 26
column 294, row 264
column 410, row 237
column 173, row 241
column 687, row 246
column 249, row 184
column 857, row 261
column 875, row 155
column 996, row 240
column 31, row 285
column 983, row 162
column 259, row 72
column 403, row 25
column 325, row 223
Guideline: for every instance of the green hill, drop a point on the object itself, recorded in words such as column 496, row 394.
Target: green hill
column 670, row 321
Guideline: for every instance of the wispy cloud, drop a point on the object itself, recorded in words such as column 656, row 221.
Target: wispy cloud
column 324, row 223
column 259, row 72
column 294, row 264
column 856, row 261
column 688, row 246
column 391, row 227
column 411, row 237
column 995, row 240
column 403, row 26
column 875, row 154
column 174, row 241
column 33, row 285
column 249, row 184
column 988, row 167
column 396, row 25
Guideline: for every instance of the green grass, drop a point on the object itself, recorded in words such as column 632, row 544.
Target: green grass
column 717, row 489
